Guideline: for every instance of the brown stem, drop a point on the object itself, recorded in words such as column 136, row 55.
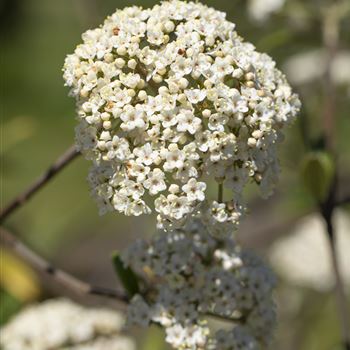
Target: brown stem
column 339, row 289
column 65, row 279
column 342, row 305
column 54, row 169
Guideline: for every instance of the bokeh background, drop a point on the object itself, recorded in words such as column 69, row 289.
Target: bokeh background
column 62, row 222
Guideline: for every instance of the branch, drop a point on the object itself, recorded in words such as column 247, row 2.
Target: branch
column 65, row 279
column 54, row 169
column 220, row 193
column 331, row 24
column 327, row 213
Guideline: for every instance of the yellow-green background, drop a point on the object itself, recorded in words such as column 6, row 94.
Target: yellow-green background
column 62, row 223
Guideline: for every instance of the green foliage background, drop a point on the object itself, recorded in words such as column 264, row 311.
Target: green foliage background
column 37, row 124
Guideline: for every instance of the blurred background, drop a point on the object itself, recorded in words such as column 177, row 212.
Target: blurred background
column 62, row 223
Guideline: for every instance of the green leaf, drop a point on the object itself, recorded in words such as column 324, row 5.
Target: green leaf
column 126, row 275
column 318, row 174
column 154, row 339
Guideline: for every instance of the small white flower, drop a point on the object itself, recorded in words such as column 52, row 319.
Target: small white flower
column 121, row 98
column 196, row 95
column 132, row 189
column 188, row 122
column 155, row 182
column 218, row 210
column 146, row 154
column 120, row 202
column 137, row 208
column 132, row 119
column 194, row 190
column 179, row 206
column 174, row 158
column 168, row 119
column 176, row 336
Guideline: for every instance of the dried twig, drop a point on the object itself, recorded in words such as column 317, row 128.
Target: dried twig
column 53, row 170
column 65, row 279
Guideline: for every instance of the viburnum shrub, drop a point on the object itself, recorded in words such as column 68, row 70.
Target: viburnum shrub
column 171, row 99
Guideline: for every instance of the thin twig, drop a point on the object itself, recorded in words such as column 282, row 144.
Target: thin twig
column 327, row 210
column 64, row 278
column 54, row 169
column 340, row 289
column 220, row 193
column 67, row 280
column 330, row 39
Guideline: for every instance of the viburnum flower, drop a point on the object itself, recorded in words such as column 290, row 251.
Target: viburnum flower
column 64, row 325
column 191, row 277
column 172, row 95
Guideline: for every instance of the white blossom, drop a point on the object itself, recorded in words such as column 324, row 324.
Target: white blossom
column 175, row 88
column 194, row 190
column 155, row 182
column 62, row 324
column 192, row 276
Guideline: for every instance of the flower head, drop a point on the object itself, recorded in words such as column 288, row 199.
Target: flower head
column 172, row 96
column 62, row 324
column 191, row 277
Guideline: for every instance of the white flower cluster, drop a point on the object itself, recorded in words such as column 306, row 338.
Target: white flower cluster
column 171, row 96
column 63, row 325
column 190, row 277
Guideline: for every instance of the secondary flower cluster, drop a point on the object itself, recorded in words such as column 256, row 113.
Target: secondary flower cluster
column 193, row 277
column 171, row 96
column 63, row 325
